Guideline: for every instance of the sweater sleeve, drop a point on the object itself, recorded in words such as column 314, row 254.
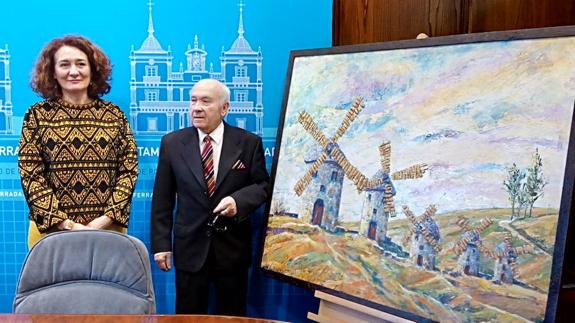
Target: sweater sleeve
column 39, row 195
column 120, row 203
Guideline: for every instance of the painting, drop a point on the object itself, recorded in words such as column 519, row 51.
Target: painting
column 431, row 179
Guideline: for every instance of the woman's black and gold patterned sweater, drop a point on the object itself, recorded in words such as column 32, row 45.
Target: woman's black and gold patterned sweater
column 77, row 162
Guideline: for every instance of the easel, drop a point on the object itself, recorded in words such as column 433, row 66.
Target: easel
column 336, row 310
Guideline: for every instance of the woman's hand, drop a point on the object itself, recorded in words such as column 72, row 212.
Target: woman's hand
column 78, row 226
column 69, row 225
column 101, row 222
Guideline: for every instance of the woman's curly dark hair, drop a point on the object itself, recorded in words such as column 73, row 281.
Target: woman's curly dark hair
column 43, row 81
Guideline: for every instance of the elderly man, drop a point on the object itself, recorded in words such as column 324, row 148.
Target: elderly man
column 214, row 174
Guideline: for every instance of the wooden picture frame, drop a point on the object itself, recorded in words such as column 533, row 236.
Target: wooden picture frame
column 431, row 179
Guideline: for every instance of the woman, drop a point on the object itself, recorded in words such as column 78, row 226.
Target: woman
column 77, row 155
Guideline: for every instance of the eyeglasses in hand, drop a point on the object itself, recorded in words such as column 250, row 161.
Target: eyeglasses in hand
column 215, row 225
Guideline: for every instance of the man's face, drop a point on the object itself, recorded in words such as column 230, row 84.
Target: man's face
column 207, row 107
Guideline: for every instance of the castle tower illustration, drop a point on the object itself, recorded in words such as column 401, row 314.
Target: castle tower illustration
column 322, row 197
column 6, row 112
column 242, row 72
column 160, row 91
column 375, row 214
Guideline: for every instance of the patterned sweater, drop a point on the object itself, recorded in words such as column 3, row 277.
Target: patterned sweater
column 77, row 162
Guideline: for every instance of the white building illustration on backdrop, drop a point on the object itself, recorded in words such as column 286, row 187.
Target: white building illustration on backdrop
column 159, row 91
column 6, row 112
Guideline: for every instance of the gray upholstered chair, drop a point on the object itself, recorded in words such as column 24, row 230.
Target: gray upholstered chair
column 86, row 272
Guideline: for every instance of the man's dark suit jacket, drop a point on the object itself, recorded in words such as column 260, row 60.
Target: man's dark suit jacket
column 180, row 182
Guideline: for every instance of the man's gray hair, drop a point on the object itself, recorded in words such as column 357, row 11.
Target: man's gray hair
column 226, row 94
column 222, row 88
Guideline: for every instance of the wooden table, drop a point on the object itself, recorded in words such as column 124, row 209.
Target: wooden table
column 66, row 318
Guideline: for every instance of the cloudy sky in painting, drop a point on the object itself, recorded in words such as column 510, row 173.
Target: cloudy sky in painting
column 468, row 111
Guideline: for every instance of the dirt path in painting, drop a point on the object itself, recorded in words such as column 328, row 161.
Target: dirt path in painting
column 360, row 269
column 516, row 300
column 506, row 224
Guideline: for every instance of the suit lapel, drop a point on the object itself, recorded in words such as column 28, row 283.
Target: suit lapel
column 230, row 153
column 191, row 155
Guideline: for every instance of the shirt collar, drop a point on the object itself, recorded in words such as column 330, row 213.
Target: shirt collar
column 217, row 135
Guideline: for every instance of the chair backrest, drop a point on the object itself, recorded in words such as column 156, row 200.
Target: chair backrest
column 86, row 272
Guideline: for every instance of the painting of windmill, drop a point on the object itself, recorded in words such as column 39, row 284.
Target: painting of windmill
column 328, row 167
column 468, row 248
column 378, row 205
column 506, row 270
column 424, row 237
column 427, row 180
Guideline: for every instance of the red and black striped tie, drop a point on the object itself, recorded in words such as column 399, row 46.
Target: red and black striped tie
column 208, row 165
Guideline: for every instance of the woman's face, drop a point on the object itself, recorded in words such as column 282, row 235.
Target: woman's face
column 72, row 70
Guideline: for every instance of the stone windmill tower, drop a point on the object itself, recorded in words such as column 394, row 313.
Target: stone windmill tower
column 468, row 247
column 424, row 237
column 505, row 256
column 323, row 193
column 378, row 205
column 321, row 185
column 375, row 212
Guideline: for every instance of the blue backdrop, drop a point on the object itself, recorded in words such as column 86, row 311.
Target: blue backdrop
column 159, row 49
